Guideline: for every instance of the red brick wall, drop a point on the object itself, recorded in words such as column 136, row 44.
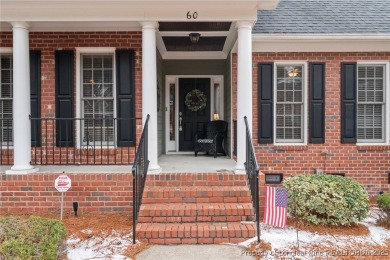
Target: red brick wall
column 94, row 192
column 368, row 165
column 48, row 43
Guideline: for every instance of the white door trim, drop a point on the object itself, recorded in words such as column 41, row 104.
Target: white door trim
column 173, row 146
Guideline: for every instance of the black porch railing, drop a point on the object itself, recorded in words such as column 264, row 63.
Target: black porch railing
column 75, row 141
column 252, row 173
column 140, row 170
column 6, row 141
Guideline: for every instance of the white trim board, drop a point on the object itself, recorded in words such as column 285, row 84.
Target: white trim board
column 174, row 79
column 321, row 43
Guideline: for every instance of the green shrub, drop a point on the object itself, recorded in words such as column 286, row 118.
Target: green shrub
column 326, row 199
column 33, row 238
column 384, row 209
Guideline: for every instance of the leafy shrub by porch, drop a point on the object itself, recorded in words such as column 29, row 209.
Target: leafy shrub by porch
column 384, row 209
column 33, row 238
column 326, row 199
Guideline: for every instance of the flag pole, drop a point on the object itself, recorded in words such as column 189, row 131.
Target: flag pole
column 296, row 216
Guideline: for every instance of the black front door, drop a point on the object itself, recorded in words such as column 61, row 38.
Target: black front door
column 192, row 121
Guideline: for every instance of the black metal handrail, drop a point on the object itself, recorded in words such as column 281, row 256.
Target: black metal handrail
column 140, row 170
column 252, row 173
column 235, row 137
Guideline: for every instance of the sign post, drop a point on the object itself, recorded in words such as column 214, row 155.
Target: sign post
column 62, row 184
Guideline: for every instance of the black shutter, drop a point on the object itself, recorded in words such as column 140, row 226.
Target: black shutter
column 125, row 97
column 64, row 80
column 35, row 96
column 317, row 103
column 348, row 102
column 265, row 106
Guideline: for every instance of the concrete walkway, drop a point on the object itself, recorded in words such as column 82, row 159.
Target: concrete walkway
column 193, row 252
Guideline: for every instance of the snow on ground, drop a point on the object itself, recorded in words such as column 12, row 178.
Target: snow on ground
column 284, row 241
column 112, row 246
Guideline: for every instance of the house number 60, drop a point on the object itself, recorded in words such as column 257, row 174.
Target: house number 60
column 194, row 15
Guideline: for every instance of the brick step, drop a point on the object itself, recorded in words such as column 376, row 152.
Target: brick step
column 196, row 233
column 191, row 212
column 196, row 179
column 202, row 194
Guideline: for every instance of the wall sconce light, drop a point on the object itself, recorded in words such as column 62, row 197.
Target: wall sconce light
column 216, row 116
column 194, row 37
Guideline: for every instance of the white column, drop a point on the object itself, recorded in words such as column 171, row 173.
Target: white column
column 244, row 89
column 21, row 100
column 149, row 90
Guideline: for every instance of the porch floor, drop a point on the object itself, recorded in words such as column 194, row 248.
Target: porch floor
column 188, row 163
column 171, row 163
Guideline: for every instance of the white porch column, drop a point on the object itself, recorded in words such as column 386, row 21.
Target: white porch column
column 21, row 100
column 149, row 89
column 244, row 89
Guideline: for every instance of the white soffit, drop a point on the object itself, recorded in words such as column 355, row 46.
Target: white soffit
column 321, row 43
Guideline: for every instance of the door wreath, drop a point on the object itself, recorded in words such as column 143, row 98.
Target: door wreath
column 195, row 100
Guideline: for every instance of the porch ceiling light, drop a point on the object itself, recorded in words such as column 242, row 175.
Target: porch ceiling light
column 194, row 37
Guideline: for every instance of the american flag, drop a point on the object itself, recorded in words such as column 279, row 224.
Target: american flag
column 275, row 213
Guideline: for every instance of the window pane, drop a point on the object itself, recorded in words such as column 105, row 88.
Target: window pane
column 289, row 103
column 6, row 133
column 107, row 90
column 98, row 101
column 6, row 91
column 371, row 96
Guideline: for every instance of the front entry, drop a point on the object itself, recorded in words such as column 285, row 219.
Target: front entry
column 194, row 109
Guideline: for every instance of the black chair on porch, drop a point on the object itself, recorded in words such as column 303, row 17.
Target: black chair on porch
column 211, row 139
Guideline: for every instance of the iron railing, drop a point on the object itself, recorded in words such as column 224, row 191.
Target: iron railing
column 75, row 141
column 6, row 141
column 235, row 137
column 252, row 173
column 140, row 170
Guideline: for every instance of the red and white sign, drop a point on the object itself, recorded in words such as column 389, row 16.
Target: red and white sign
column 62, row 183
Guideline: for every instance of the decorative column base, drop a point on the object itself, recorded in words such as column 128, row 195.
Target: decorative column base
column 154, row 169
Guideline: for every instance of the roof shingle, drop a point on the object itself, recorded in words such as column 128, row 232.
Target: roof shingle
column 325, row 17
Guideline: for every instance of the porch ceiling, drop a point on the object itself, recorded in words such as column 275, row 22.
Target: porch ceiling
column 215, row 42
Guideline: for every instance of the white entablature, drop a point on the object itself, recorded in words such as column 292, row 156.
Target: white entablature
column 131, row 10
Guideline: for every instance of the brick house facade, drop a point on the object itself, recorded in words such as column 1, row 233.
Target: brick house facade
column 244, row 51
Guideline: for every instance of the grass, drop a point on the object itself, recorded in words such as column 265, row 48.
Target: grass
column 32, row 238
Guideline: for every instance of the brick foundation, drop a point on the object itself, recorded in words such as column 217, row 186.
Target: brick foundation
column 94, row 192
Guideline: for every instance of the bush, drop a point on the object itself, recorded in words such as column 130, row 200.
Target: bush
column 384, row 209
column 327, row 199
column 33, row 238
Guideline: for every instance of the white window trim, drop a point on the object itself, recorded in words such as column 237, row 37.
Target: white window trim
column 92, row 50
column 305, row 101
column 387, row 102
column 4, row 50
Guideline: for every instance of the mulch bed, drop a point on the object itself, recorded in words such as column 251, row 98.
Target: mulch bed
column 352, row 230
